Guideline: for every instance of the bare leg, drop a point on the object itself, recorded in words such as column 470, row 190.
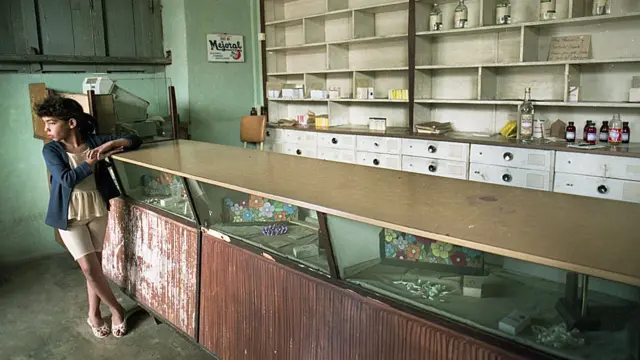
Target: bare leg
column 94, row 301
column 92, row 269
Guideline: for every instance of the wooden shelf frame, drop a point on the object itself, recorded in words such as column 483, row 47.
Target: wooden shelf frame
column 514, row 57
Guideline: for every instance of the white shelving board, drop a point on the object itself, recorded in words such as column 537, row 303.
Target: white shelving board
column 473, row 77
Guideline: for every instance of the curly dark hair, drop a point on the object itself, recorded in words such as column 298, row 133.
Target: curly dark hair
column 66, row 109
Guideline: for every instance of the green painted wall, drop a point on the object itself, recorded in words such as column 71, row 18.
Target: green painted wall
column 219, row 93
column 24, row 194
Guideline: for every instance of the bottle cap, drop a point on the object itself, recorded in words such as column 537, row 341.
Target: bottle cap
column 570, row 122
column 625, row 123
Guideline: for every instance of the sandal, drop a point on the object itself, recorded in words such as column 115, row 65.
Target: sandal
column 119, row 330
column 100, row 332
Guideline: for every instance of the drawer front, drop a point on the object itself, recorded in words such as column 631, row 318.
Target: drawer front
column 438, row 167
column 598, row 165
column 306, row 138
column 347, row 156
column 501, row 175
column 337, row 141
column 597, row 187
column 299, row 150
column 274, row 147
column 436, row 149
column 378, row 144
column 379, row 160
column 512, row 157
column 274, row 135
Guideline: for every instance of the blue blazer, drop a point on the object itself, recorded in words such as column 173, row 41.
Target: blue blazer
column 63, row 179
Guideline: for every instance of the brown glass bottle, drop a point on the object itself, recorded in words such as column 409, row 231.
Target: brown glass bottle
column 604, row 131
column 584, row 131
column 592, row 134
column 626, row 132
column 570, row 132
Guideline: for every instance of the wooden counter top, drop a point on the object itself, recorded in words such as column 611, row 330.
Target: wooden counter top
column 591, row 236
column 626, row 150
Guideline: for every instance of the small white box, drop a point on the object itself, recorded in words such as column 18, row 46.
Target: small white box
column 635, row 82
column 574, row 94
column 318, row 94
column 371, row 94
column 378, row 124
column 362, row 93
column 514, row 323
column 334, row 93
column 634, row 95
column 472, row 286
column 306, row 251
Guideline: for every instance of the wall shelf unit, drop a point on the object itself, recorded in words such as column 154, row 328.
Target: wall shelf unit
column 473, row 77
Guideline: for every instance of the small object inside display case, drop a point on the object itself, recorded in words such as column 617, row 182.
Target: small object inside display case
column 306, row 251
column 275, row 229
column 514, row 323
column 409, row 250
column 473, row 286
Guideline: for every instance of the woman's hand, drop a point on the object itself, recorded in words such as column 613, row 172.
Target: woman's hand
column 107, row 149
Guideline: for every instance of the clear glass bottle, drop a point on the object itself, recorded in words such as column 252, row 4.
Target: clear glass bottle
column 601, row 7
column 503, row 12
column 435, row 18
column 525, row 126
column 615, row 130
column 461, row 16
column 547, row 9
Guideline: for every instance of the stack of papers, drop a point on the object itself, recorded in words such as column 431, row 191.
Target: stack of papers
column 434, row 127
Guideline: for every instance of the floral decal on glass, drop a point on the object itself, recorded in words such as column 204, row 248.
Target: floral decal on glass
column 258, row 209
column 408, row 247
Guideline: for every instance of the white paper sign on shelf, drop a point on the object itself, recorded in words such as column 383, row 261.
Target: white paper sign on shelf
column 225, row 48
column 574, row 47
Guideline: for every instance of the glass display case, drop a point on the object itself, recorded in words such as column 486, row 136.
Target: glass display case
column 532, row 304
column 561, row 313
column 155, row 188
column 283, row 229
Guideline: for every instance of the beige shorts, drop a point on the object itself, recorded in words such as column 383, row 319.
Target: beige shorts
column 84, row 237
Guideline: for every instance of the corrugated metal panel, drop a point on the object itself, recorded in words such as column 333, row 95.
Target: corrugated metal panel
column 155, row 260
column 254, row 308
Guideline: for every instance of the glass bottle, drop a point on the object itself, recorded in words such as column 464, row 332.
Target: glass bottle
column 253, row 111
column 601, row 7
column 592, row 134
column 615, row 130
column 526, row 117
column 547, row 9
column 461, row 16
column 584, row 131
column 626, row 132
column 570, row 133
column 604, row 131
column 503, row 12
column 435, row 18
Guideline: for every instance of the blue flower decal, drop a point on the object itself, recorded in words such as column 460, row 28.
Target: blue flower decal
column 247, row 215
column 289, row 209
column 410, row 239
column 389, row 250
column 228, row 202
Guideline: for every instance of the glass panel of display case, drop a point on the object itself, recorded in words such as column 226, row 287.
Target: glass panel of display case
column 535, row 305
column 158, row 189
column 278, row 227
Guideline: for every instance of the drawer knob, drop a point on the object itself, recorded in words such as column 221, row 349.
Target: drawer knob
column 507, row 178
column 376, row 162
column 334, row 141
column 376, row 144
column 432, row 168
column 268, row 133
column 507, row 156
column 299, row 152
column 432, row 149
column 602, row 189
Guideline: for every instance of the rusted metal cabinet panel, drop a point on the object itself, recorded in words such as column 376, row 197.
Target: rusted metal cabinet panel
column 155, row 260
column 254, row 308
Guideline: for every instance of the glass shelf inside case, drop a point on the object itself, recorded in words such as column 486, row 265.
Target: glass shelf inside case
column 155, row 188
column 535, row 305
column 272, row 225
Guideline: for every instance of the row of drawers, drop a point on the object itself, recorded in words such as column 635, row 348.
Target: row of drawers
column 599, row 176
